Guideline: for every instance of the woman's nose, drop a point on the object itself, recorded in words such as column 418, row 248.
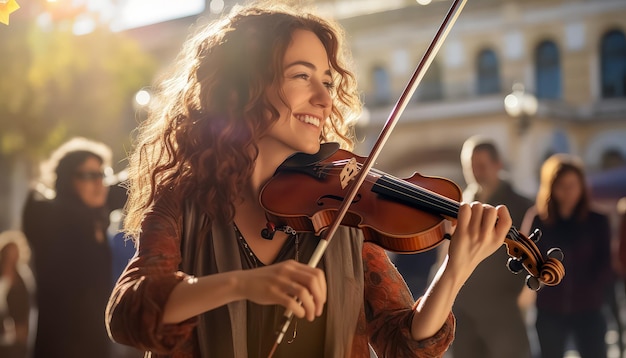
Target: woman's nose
column 321, row 96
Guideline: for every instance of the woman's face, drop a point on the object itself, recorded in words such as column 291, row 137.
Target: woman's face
column 89, row 185
column 567, row 190
column 306, row 86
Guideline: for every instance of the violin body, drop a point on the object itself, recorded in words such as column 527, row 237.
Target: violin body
column 307, row 199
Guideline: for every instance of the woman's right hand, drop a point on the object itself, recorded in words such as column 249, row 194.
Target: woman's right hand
column 291, row 284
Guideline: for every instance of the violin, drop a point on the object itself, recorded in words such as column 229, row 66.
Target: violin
column 400, row 215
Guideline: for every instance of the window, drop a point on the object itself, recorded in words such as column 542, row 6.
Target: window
column 613, row 64
column 382, row 86
column 548, row 71
column 488, row 73
column 430, row 89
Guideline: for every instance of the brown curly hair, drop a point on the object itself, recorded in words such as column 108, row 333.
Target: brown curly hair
column 200, row 136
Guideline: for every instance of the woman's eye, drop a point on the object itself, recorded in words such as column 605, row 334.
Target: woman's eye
column 303, row 76
column 329, row 85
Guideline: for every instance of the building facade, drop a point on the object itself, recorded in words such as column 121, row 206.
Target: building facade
column 568, row 55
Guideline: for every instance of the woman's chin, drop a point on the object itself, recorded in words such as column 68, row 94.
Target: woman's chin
column 311, row 149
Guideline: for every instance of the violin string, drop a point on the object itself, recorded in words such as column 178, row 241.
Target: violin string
column 435, row 200
column 426, row 196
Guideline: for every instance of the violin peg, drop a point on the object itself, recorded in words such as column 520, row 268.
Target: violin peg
column 556, row 253
column 535, row 236
column 514, row 265
column 533, row 283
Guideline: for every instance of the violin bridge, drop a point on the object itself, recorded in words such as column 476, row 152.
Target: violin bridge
column 348, row 172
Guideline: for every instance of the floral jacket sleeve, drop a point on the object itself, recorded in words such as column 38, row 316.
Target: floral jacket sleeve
column 389, row 312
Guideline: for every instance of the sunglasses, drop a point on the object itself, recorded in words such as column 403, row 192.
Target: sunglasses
column 89, row 176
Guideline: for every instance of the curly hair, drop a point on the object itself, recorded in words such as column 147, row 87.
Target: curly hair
column 210, row 110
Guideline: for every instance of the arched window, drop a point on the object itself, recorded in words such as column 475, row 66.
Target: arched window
column 488, row 72
column 548, row 71
column 382, row 86
column 613, row 64
column 430, row 89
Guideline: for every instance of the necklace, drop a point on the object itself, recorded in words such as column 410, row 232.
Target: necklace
column 255, row 262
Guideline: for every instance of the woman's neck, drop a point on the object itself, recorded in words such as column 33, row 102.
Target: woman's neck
column 269, row 158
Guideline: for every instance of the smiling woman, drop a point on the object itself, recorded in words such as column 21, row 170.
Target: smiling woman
column 250, row 90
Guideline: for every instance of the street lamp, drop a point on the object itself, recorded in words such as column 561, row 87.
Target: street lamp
column 520, row 105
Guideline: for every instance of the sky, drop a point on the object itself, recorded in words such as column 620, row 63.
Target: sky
column 135, row 13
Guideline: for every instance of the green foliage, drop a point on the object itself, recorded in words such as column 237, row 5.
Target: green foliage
column 56, row 85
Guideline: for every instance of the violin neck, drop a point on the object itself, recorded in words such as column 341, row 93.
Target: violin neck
column 415, row 196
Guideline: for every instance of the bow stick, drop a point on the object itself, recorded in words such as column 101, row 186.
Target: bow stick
column 416, row 78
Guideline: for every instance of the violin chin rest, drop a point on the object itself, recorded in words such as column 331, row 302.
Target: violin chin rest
column 299, row 160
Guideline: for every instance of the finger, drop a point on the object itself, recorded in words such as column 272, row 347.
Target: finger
column 504, row 222
column 463, row 217
column 315, row 281
column 320, row 300
column 290, row 302
column 312, row 286
column 475, row 223
column 489, row 218
column 304, row 297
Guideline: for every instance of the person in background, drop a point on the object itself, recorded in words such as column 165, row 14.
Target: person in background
column 490, row 323
column 17, row 289
column 621, row 235
column 65, row 220
column 572, row 309
column 250, row 90
column 614, row 302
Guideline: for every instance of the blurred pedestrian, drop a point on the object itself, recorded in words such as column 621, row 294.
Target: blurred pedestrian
column 17, row 288
column 621, row 235
column 65, row 220
column 572, row 309
column 490, row 323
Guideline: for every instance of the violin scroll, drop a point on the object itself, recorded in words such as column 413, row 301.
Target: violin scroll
column 524, row 255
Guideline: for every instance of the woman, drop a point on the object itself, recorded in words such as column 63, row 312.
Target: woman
column 573, row 308
column 72, row 259
column 17, row 287
column 248, row 92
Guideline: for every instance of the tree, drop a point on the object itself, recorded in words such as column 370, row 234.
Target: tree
column 57, row 85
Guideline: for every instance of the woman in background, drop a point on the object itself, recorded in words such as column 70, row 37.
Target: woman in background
column 574, row 307
column 17, row 288
column 72, row 258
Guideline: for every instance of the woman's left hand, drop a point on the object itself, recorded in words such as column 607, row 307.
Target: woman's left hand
column 480, row 231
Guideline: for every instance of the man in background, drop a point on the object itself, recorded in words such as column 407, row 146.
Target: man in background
column 490, row 322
